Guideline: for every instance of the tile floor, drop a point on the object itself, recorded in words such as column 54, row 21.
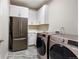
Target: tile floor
column 30, row 53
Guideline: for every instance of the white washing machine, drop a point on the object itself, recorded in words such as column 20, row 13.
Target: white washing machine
column 41, row 44
column 62, row 48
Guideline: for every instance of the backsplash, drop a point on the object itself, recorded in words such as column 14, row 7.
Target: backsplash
column 38, row 28
column 63, row 13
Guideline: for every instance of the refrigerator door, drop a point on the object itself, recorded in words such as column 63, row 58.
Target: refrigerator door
column 15, row 27
column 23, row 28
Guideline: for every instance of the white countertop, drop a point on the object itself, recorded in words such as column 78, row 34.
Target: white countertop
column 34, row 31
column 67, row 36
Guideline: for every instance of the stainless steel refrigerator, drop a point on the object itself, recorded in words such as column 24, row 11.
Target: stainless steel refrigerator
column 18, row 33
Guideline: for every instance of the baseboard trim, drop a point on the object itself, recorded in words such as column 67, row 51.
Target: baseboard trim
column 32, row 45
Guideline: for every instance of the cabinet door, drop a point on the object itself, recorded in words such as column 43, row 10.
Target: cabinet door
column 32, row 17
column 24, row 12
column 18, row 11
column 30, row 42
column 14, row 11
column 32, row 38
column 46, row 14
column 42, row 15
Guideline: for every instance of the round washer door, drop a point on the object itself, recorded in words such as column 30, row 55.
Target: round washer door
column 61, row 52
column 41, row 48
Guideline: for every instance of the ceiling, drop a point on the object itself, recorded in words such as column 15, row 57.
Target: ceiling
column 35, row 4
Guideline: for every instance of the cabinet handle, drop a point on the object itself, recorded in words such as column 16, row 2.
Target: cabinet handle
column 63, row 40
column 19, row 14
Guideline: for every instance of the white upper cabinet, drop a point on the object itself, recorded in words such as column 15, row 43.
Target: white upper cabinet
column 32, row 20
column 14, row 10
column 35, row 17
column 24, row 12
column 42, row 15
column 18, row 11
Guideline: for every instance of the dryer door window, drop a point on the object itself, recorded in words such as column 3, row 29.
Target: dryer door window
column 61, row 52
column 41, row 48
column 38, row 42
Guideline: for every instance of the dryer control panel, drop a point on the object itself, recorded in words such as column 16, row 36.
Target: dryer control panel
column 74, row 43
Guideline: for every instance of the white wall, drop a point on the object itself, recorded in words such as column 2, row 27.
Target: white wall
column 4, row 26
column 63, row 13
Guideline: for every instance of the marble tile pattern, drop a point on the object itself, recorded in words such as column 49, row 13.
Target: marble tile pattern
column 30, row 53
